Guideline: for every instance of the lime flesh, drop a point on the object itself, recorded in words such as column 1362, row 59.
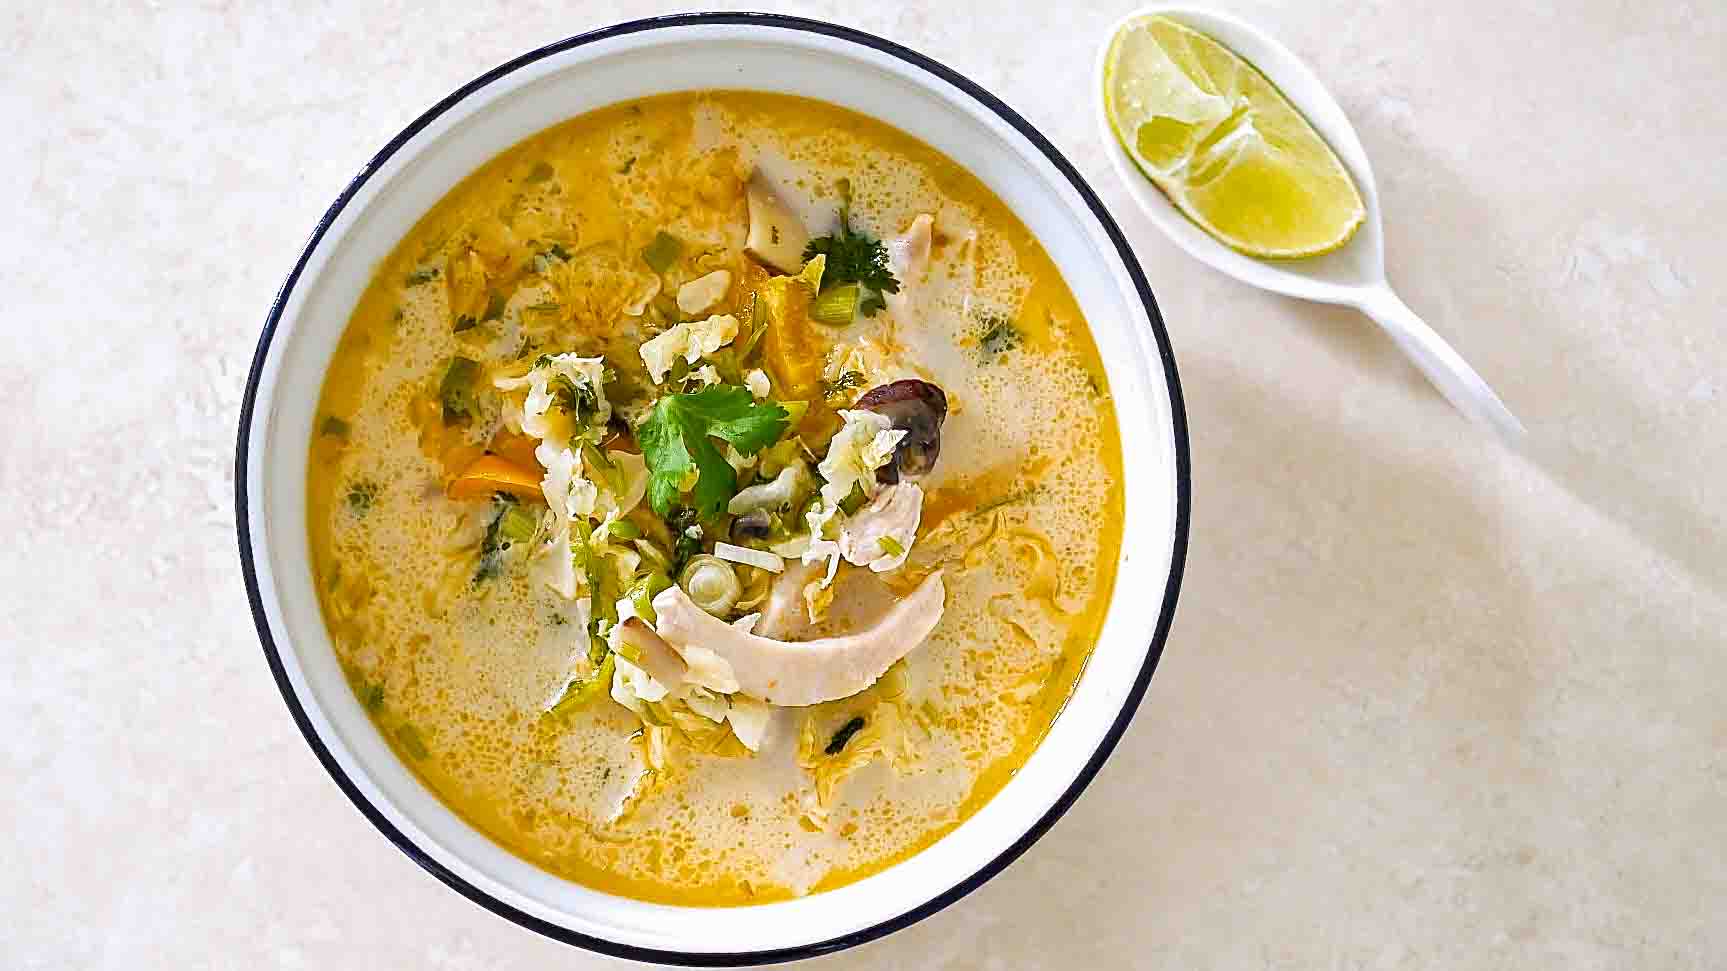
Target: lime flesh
column 1224, row 144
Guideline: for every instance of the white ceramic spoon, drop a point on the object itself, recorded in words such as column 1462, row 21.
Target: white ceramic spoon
column 1353, row 275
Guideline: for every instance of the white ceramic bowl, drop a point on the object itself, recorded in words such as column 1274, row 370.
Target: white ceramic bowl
column 530, row 93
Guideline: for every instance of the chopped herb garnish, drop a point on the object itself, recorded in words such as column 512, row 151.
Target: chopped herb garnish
column 372, row 696
column 998, row 337
column 676, row 439
column 1007, row 500
column 543, row 260
column 660, row 254
column 409, row 738
column 603, row 583
column 688, row 540
column 511, row 524
column 891, row 546
column 540, row 172
column 837, row 744
column 854, row 257
column 580, row 400
column 361, row 496
column 464, row 322
column 334, row 427
column 458, row 391
column 629, row 164
column 424, row 274
column 840, row 385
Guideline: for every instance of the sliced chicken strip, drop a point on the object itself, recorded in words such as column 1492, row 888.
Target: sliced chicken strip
column 909, row 254
column 782, row 615
column 805, row 672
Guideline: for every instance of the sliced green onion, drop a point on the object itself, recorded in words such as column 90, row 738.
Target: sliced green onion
column 711, row 583
column 812, row 504
column 837, row 306
column 758, row 328
column 660, row 254
column 653, row 554
column 603, row 469
column 643, row 592
column 853, row 502
column 582, row 693
column 517, row 525
column 456, row 391
column 725, row 362
column 891, row 546
column 409, row 738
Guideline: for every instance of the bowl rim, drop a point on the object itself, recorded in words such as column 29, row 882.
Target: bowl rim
column 1136, row 692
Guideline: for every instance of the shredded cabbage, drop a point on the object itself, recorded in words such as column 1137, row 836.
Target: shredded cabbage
column 691, row 341
column 585, row 374
column 863, row 444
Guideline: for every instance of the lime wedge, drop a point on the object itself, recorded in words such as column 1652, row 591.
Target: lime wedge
column 1224, row 144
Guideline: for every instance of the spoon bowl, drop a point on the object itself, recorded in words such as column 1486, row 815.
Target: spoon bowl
column 1352, row 275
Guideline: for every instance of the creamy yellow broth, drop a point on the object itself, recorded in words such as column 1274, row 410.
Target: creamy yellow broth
column 1023, row 511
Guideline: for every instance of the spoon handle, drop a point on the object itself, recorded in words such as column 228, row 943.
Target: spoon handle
column 1442, row 365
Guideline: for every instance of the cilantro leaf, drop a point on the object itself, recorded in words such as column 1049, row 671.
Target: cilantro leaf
column 677, row 437
column 855, row 257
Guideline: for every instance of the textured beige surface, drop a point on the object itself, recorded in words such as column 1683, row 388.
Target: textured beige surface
column 1426, row 704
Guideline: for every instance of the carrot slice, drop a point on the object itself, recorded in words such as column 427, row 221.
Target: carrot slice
column 492, row 473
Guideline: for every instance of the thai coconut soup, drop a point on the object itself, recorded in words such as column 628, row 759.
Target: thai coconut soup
column 715, row 497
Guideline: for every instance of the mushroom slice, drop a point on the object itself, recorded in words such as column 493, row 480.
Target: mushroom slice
column 777, row 237
column 802, row 673
column 917, row 408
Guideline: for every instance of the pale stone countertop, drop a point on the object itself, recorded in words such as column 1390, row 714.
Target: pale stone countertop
column 1425, row 705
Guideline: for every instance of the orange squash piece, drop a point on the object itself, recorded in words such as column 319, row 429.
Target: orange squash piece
column 494, row 473
column 517, row 449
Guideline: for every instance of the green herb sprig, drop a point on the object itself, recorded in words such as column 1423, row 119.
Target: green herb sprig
column 676, row 437
column 854, row 257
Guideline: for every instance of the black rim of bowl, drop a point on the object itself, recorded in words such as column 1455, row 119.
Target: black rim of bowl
column 1178, row 417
